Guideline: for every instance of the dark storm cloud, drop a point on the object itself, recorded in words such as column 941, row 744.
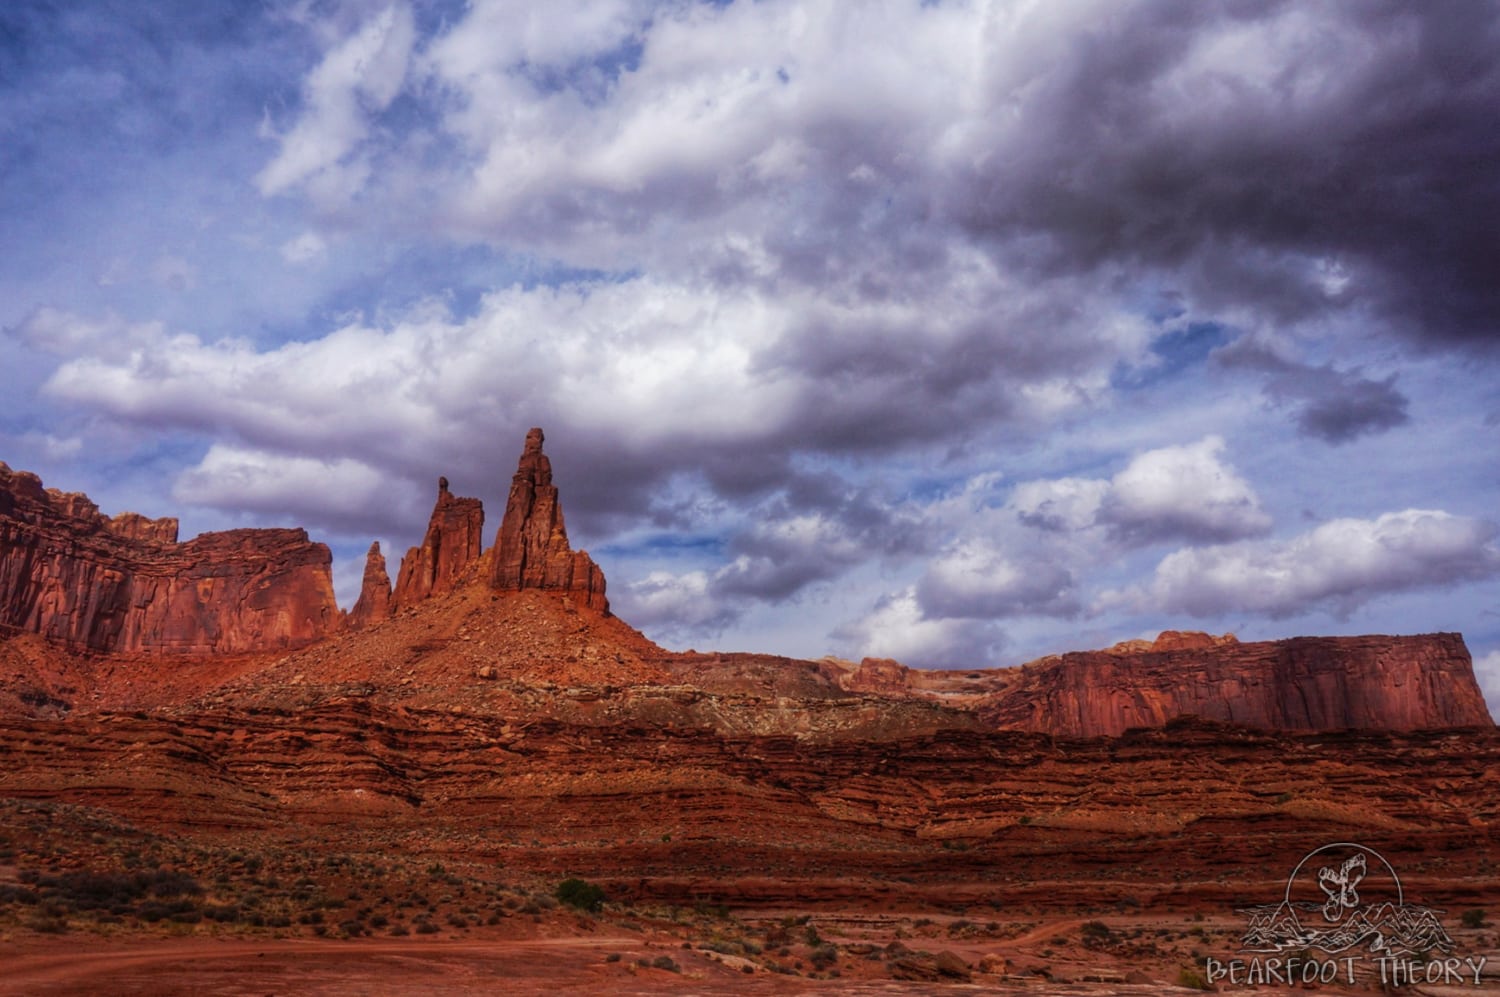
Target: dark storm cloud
column 1333, row 405
column 1234, row 148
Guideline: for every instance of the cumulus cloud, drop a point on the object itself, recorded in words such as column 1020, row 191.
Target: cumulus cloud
column 302, row 491
column 973, row 580
column 1182, row 492
column 1338, row 566
column 899, row 628
column 674, row 605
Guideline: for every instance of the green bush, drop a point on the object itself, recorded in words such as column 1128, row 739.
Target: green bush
column 580, row 894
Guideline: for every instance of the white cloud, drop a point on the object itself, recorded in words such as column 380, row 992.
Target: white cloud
column 1183, row 491
column 303, row 490
column 971, row 579
column 1340, row 565
column 359, row 76
column 671, row 603
column 898, row 628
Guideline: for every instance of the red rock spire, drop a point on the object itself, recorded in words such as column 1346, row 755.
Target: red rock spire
column 374, row 602
column 454, row 535
column 531, row 549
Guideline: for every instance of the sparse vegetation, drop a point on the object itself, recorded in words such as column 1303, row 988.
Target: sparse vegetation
column 579, row 894
column 1193, row 980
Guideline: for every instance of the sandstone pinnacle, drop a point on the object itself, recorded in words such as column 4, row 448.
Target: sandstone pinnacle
column 531, row 549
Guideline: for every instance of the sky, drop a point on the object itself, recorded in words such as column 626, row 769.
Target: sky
column 959, row 333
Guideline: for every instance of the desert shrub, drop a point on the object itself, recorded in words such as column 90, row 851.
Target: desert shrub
column 666, row 962
column 47, row 925
column 400, row 931
column 580, row 894
column 1473, row 918
column 1096, row 931
column 1193, row 980
column 612, row 957
column 352, row 928
column 458, row 920
column 425, row 927
column 161, row 910
column 17, row 895
column 173, row 883
column 824, row 955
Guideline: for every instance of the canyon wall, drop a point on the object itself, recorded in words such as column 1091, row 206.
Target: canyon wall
column 126, row 585
column 1303, row 683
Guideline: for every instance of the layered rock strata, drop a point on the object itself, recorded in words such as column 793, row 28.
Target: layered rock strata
column 126, row 585
column 1303, row 683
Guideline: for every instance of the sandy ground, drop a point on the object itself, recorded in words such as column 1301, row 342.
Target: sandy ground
column 409, row 968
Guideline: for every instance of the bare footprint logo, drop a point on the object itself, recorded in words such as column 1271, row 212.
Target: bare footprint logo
column 1346, row 901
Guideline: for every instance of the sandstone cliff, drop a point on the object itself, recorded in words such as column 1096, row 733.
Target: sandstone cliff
column 452, row 542
column 531, row 550
column 126, row 585
column 1304, row 683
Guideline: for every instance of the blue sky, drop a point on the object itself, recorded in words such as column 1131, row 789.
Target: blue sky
column 959, row 333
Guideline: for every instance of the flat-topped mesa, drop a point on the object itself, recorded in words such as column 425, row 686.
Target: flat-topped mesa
column 125, row 584
column 454, row 536
column 374, row 602
column 1303, row 683
column 531, row 550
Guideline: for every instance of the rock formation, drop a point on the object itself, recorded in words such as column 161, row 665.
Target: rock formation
column 374, row 603
column 454, row 535
column 531, row 549
column 1304, row 683
column 125, row 584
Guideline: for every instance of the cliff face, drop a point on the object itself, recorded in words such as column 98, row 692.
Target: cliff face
column 531, row 549
column 1304, row 683
column 126, row 585
column 454, row 535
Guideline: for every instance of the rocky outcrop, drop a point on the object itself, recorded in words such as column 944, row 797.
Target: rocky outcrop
column 125, row 584
column 1304, row 683
column 454, row 535
column 374, row 603
column 531, row 550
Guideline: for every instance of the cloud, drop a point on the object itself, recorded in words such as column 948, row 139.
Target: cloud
column 674, row 605
column 358, row 77
column 1182, row 492
column 898, row 628
column 1332, row 405
column 1338, row 566
column 973, row 580
column 1294, row 161
column 1487, row 671
column 345, row 494
column 309, row 247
